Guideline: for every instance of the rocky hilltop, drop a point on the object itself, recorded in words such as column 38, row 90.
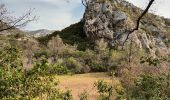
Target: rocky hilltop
column 112, row 19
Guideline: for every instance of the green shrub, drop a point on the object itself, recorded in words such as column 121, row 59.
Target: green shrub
column 16, row 83
column 76, row 66
column 146, row 87
column 41, row 68
column 10, row 57
column 41, row 53
column 10, row 72
column 104, row 89
column 150, row 87
column 58, row 69
column 67, row 95
column 97, row 66
column 84, row 95
column 19, row 84
column 72, row 64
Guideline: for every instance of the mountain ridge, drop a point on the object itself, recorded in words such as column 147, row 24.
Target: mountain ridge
column 40, row 32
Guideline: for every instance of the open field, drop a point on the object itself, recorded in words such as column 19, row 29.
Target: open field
column 80, row 82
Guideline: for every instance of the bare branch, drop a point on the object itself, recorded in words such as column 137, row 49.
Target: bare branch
column 85, row 3
column 8, row 22
column 139, row 19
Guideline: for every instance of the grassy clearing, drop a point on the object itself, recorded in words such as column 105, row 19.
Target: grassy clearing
column 80, row 82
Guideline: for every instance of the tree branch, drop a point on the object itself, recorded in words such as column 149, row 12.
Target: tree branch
column 139, row 19
column 85, row 3
column 7, row 22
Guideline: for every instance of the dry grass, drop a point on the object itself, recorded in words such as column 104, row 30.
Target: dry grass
column 80, row 82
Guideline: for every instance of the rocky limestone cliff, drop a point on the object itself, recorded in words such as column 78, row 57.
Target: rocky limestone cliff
column 112, row 19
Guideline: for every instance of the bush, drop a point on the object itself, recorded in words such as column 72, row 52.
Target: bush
column 42, row 68
column 148, row 87
column 59, row 69
column 151, row 87
column 10, row 57
column 66, row 95
column 41, row 53
column 97, row 66
column 104, row 89
column 18, row 84
column 84, row 95
column 76, row 66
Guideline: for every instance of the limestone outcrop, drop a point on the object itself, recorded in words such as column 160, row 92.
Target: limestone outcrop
column 112, row 19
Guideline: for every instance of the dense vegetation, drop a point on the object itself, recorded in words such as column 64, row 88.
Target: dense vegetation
column 28, row 66
column 141, row 77
column 19, row 84
column 73, row 34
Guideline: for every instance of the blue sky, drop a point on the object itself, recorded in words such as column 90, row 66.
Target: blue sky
column 58, row 14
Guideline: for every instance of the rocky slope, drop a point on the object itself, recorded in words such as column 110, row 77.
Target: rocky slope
column 40, row 33
column 112, row 19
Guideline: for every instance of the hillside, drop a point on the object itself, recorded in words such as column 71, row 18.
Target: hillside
column 88, row 60
column 74, row 34
column 40, row 32
column 111, row 20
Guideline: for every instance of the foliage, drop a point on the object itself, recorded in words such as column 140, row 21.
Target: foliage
column 100, row 59
column 74, row 65
column 42, row 53
column 67, row 95
column 84, row 95
column 155, row 61
column 10, row 57
column 56, row 45
column 15, row 83
column 104, row 89
column 58, row 69
column 167, row 21
column 71, row 35
column 151, row 87
column 40, row 68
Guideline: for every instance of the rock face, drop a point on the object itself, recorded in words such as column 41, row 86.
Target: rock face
column 111, row 21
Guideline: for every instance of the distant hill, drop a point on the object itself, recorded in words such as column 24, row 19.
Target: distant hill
column 40, row 32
